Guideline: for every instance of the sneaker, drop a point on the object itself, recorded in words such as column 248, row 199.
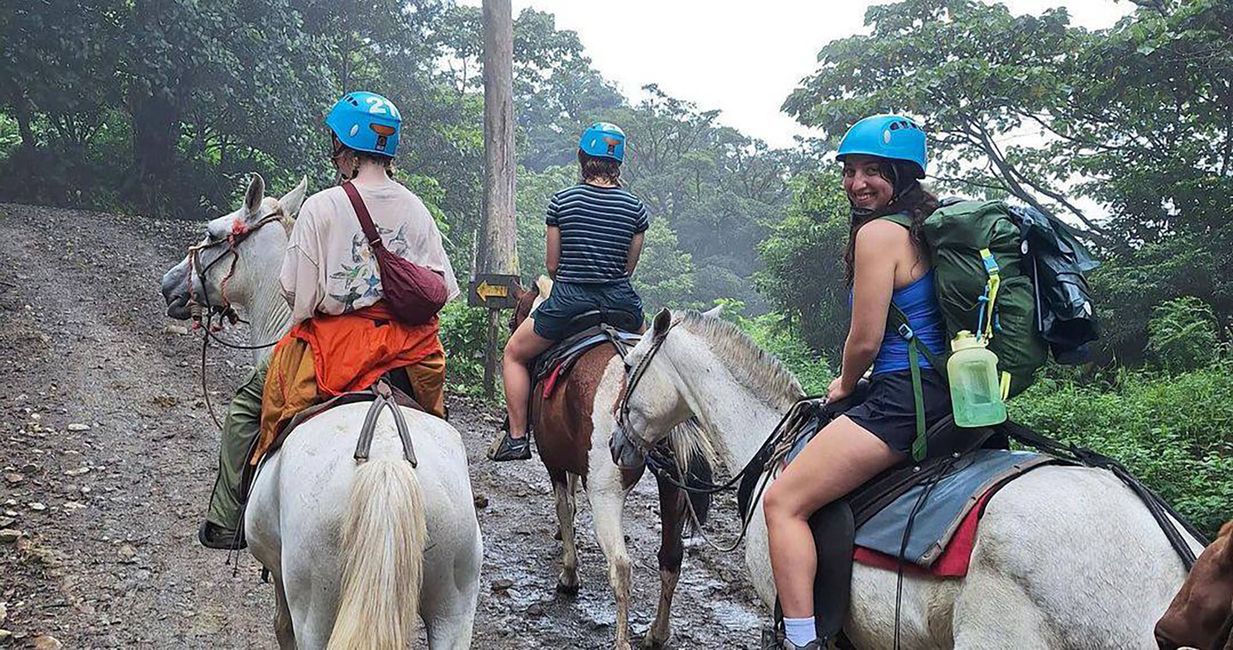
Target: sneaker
column 217, row 537
column 812, row 645
column 510, row 448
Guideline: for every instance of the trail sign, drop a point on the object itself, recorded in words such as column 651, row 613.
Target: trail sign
column 492, row 290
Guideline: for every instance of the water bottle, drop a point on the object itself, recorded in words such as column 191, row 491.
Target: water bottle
column 975, row 393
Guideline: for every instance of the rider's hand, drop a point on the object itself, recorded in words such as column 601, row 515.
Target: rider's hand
column 837, row 390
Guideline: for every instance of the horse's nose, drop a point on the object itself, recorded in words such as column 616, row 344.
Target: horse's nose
column 174, row 287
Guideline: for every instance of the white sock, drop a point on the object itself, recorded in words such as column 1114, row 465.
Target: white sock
column 800, row 631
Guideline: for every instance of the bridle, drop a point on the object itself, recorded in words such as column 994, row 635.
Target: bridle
column 661, row 463
column 204, row 319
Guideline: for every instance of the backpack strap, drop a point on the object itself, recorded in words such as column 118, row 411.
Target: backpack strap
column 899, row 321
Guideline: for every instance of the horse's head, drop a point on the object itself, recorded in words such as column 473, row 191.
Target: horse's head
column 526, row 300
column 220, row 269
column 655, row 399
column 1201, row 615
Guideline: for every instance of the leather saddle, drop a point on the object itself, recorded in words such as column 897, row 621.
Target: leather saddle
column 585, row 331
column 834, row 526
column 393, row 389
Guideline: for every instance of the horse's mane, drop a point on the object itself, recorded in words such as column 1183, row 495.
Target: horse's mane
column 755, row 368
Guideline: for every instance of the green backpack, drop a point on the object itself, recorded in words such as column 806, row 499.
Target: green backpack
column 982, row 287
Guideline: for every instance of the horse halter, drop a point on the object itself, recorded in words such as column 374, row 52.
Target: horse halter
column 232, row 240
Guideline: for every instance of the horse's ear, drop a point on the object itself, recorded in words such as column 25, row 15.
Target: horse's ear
column 663, row 320
column 291, row 203
column 714, row 312
column 254, row 195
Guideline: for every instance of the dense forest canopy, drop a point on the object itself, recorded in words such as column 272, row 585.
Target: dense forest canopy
column 162, row 107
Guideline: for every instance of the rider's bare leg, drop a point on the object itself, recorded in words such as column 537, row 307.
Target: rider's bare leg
column 523, row 346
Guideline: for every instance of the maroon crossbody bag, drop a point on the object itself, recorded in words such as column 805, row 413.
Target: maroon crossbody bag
column 413, row 293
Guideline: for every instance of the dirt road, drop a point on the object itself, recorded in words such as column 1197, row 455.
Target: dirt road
column 108, row 455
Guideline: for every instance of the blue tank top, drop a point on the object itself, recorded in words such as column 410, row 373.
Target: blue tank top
column 920, row 304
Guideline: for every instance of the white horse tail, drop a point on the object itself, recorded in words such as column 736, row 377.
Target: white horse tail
column 384, row 536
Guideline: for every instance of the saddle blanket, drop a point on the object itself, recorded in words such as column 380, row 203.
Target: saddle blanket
column 944, row 530
column 554, row 365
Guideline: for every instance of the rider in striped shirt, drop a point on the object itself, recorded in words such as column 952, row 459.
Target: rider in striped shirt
column 595, row 235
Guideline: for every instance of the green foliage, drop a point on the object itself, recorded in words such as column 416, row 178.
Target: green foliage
column 803, row 257
column 776, row 335
column 1182, row 335
column 665, row 274
column 1171, row 432
column 464, row 331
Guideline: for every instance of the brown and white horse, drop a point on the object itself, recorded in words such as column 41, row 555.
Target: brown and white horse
column 571, row 451
column 1201, row 615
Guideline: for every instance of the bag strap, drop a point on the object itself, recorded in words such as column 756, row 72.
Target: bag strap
column 361, row 211
column 915, row 350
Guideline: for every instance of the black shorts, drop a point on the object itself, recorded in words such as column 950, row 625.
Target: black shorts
column 569, row 299
column 889, row 412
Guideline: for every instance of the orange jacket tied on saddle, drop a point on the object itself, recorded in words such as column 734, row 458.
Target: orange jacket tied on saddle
column 326, row 356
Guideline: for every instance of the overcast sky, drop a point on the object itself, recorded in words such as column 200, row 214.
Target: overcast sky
column 742, row 58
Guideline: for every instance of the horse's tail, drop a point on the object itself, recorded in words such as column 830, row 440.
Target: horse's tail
column 383, row 540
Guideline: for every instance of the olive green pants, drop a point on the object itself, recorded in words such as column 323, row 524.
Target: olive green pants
column 240, row 431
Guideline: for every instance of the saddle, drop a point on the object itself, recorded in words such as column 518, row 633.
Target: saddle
column 584, row 332
column 971, row 462
column 392, row 390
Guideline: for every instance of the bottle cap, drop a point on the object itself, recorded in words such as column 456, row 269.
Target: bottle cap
column 964, row 340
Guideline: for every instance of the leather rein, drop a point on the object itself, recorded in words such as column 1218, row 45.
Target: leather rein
column 659, row 459
column 204, row 313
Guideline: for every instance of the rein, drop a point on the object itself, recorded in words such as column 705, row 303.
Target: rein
column 664, row 467
column 204, row 318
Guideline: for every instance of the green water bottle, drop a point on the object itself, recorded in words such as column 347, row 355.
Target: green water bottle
column 975, row 394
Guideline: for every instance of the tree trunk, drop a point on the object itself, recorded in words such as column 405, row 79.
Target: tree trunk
column 21, row 111
column 497, row 244
column 155, row 122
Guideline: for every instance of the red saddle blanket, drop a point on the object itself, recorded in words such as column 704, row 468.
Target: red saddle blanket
column 952, row 563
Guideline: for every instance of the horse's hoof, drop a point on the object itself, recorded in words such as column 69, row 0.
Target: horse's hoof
column 649, row 642
column 567, row 587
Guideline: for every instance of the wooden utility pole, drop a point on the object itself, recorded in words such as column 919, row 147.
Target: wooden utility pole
column 497, row 257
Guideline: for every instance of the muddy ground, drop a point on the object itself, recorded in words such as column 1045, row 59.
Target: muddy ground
column 108, row 454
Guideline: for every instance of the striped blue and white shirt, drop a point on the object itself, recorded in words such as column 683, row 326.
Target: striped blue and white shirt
column 597, row 225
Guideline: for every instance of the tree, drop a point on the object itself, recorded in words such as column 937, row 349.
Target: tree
column 803, row 277
column 1136, row 118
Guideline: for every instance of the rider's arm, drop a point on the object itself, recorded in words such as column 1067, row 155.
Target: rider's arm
column 873, row 284
column 635, row 251
column 553, row 258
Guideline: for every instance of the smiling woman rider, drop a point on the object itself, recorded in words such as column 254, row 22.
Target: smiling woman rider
column 883, row 160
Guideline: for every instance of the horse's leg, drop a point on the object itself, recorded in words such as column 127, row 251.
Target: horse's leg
column 448, row 607
column 673, row 510
column 283, row 630
column 564, row 488
column 607, row 497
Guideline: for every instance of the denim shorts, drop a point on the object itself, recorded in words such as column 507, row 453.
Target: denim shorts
column 569, row 299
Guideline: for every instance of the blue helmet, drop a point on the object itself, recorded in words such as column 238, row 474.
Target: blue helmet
column 603, row 140
column 366, row 122
column 894, row 137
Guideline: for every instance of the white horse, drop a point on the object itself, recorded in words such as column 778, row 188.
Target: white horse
column 1065, row 557
column 356, row 551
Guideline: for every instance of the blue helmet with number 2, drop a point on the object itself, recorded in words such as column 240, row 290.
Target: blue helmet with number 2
column 366, row 122
column 893, row 137
column 603, row 140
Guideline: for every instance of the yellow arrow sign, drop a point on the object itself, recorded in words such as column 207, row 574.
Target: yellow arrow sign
column 486, row 291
